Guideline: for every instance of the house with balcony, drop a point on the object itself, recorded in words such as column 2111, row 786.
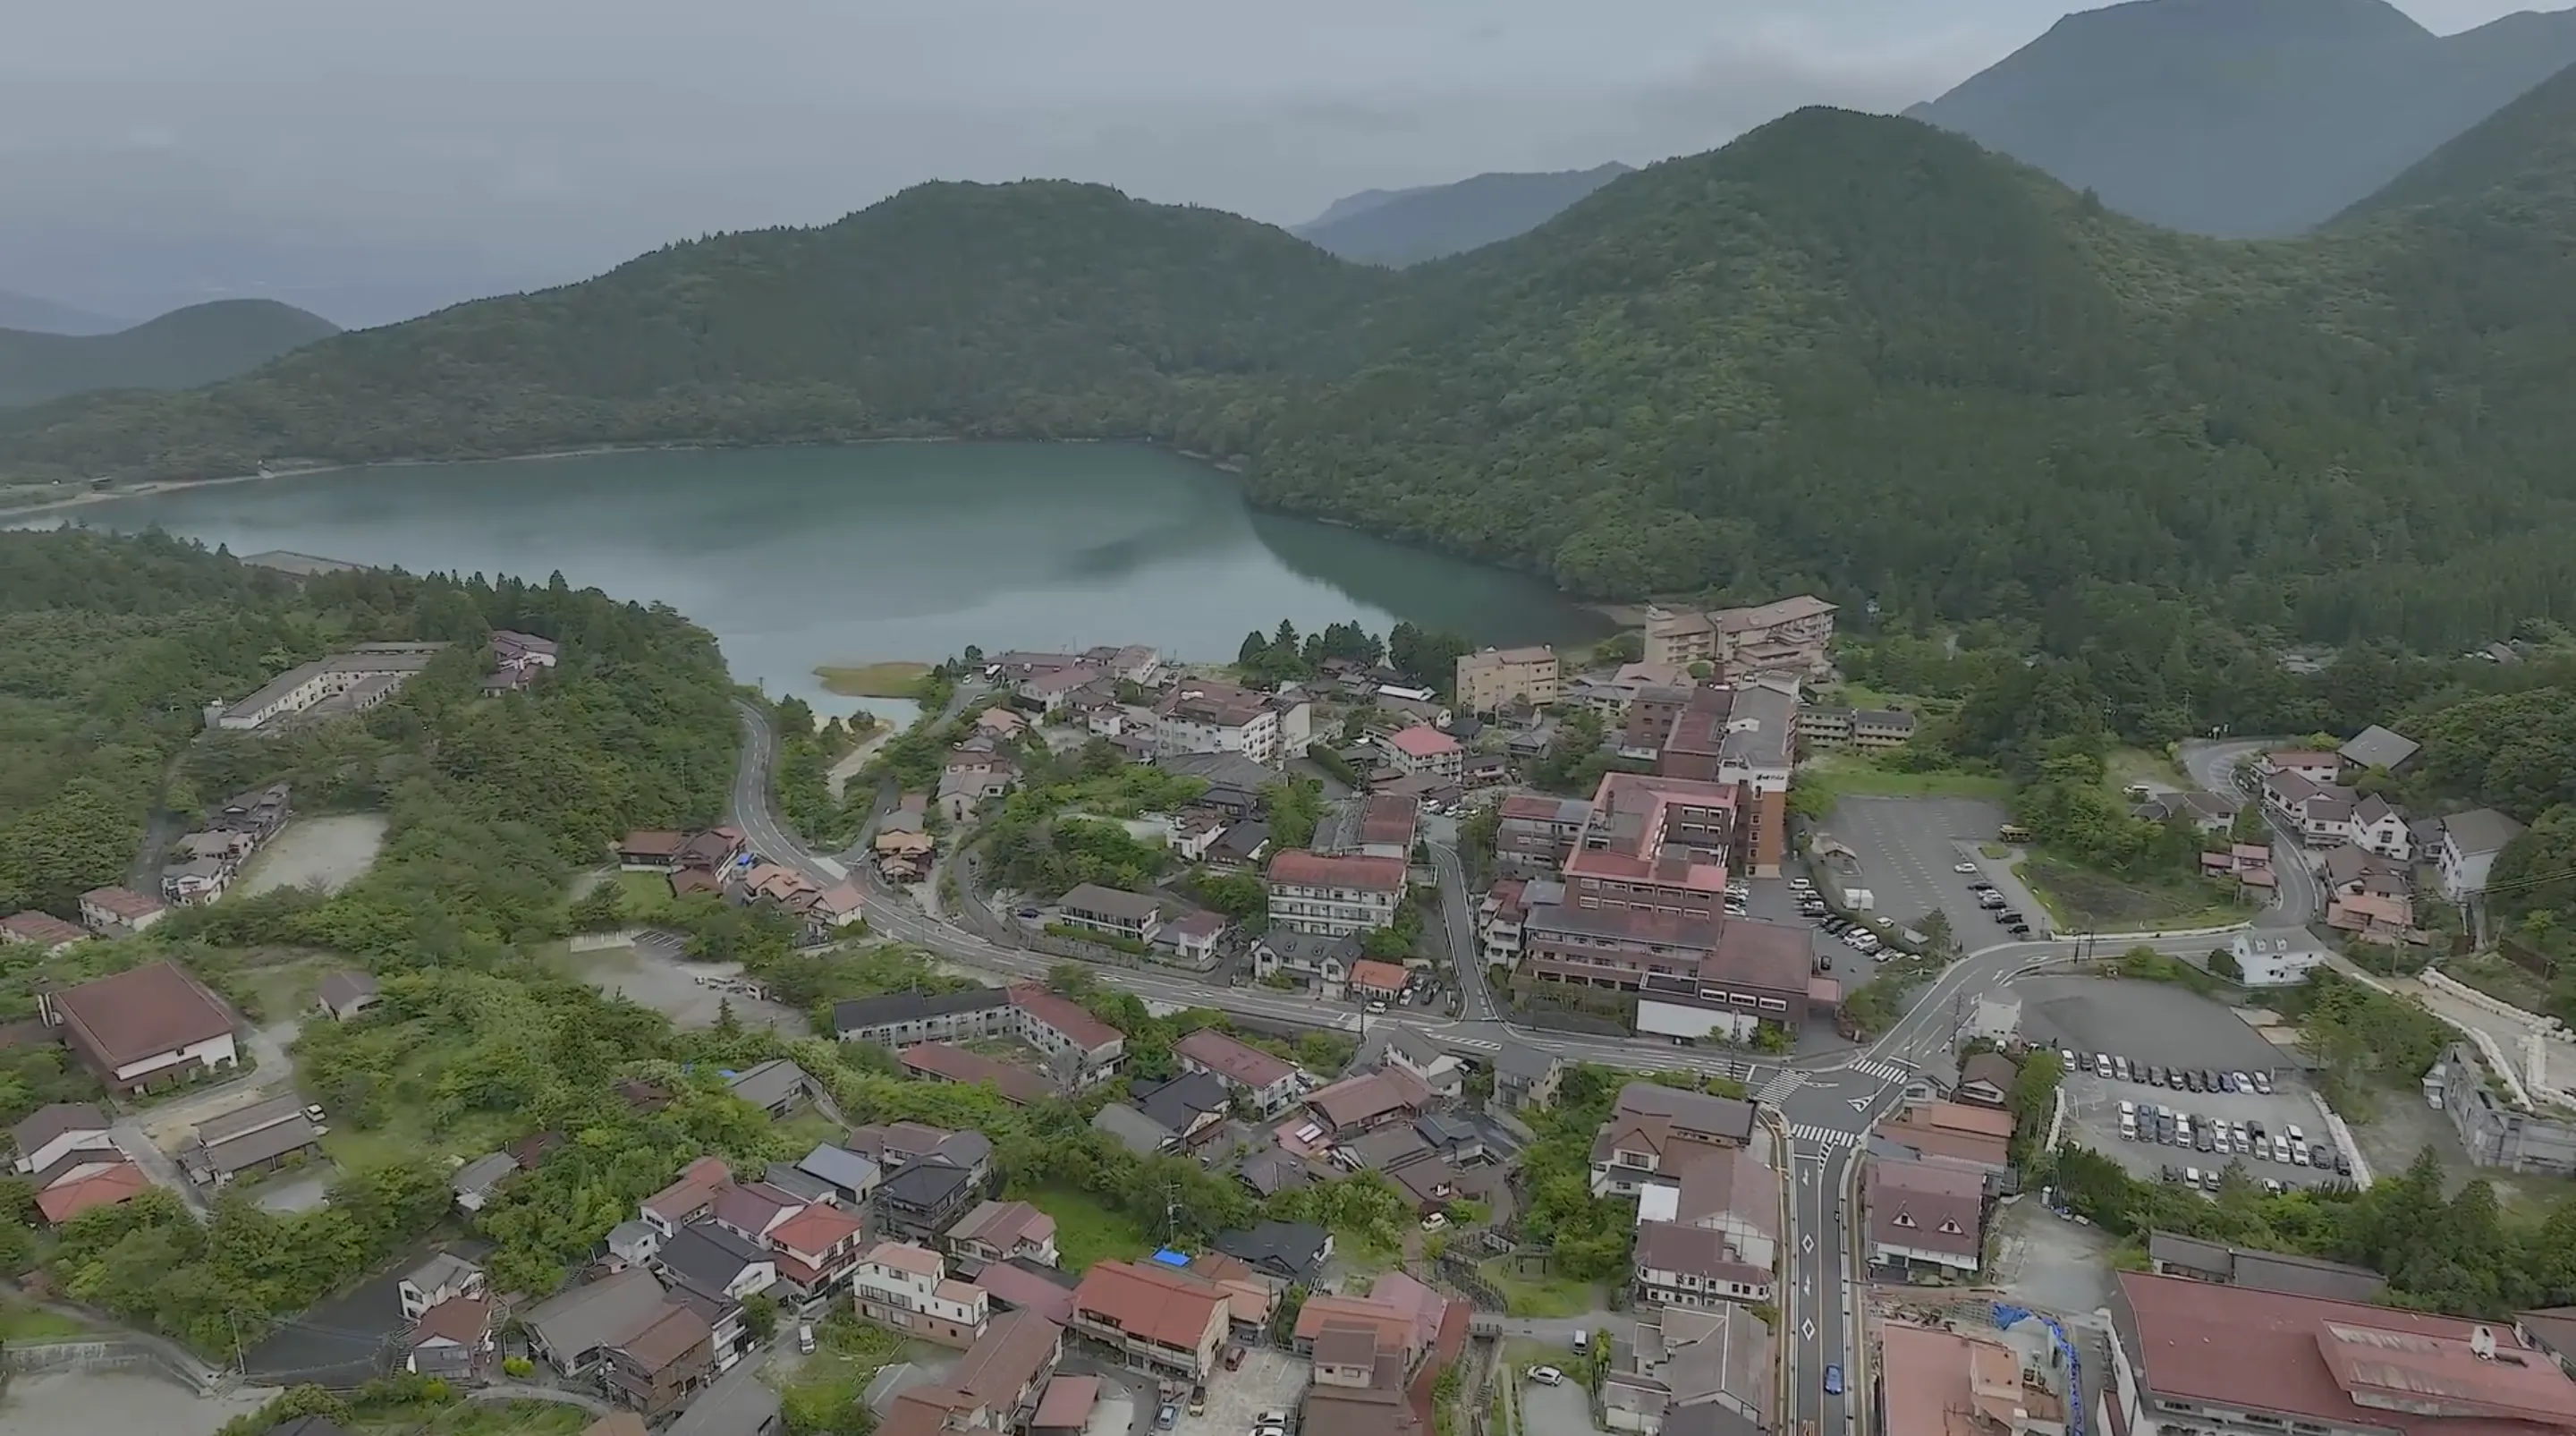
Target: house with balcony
column 1157, row 1319
column 907, row 1289
column 1264, row 1080
column 1111, row 912
column 1655, row 1133
column 1004, row 1231
column 1325, row 896
column 655, row 1371
column 817, row 1249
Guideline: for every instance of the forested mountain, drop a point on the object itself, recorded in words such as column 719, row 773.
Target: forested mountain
column 2245, row 117
column 44, row 316
column 2532, row 140
column 1847, row 351
column 180, row 350
column 1401, row 227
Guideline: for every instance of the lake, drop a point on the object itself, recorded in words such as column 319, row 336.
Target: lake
column 875, row 552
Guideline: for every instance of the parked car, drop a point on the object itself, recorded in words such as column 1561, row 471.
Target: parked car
column 1833, row 1381
column 1963, row 867
column 1167, row 1418
column 2263, row 1084
column 1234, row 1357
column 1547, row 1376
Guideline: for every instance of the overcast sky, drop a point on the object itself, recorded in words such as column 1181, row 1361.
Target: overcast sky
column 510, row 141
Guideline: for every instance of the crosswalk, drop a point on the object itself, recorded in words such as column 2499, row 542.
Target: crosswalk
column 1814, row 1135
column 1883, row 1071
column 1779, row 1087
column 1479, row 1043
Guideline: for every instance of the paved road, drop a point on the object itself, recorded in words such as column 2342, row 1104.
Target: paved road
column 1475, row 996
column 2300, row 899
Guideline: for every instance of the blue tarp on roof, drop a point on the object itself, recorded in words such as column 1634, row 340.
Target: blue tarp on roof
column 1169, row 1257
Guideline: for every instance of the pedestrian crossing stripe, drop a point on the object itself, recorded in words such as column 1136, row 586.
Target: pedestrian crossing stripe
column 1822, row 1136
column 1779, row 1087
column 1477, row 1042
column 1883, row 1071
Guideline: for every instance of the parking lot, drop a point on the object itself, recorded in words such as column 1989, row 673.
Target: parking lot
column 1271, row 1380
column 1906, row 851
column 2144, row 1021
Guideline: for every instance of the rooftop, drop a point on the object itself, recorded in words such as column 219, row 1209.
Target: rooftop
column 1645, row 828
column 143, row 1012
column 1108, row 902
column 1301, row 868
column 1354, row 1100
column 865, row 1012
column 1947, row 1383
column 2332, row 1362
column 1065, row 1015
column 1148, row 1300
column 956, row 1064
column 1234, row 1060
column 1421, row 741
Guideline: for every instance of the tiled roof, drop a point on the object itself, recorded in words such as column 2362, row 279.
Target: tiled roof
column 1002, row 1224
column 1064, row 1015
column 815, row 1229
column 1301, row 868
column 55, row 1119
column 1422, row 741
column 102, row 1188
column 1233, row 1060
column 956, row 1064
column 144, row 1012
column 1149, row 1301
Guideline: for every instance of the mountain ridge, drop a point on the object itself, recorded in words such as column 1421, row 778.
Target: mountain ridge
column 2245, row 118
column 1402, row 227
column 43, row 316
column 1846, row 352
column 2535, row 135
column 186, row 347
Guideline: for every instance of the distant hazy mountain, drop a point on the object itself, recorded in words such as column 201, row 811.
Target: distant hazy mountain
column 1401, row 227
column 2532, row 140
column 179, row 350
column 44, row 316
column 2246, row 117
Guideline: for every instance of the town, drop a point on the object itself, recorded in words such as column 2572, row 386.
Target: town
column 1314, row 1043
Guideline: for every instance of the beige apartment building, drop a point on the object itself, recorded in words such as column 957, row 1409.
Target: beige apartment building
column 1791, row 635
column 1489, row 681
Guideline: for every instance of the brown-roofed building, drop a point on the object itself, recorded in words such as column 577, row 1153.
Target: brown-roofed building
column 1333, row 896
column 119, row 912
column 651, row 850
column 692, row 1196
column 1004, row 1231
column 146, row 1027
column 2240, row 1361
column 907, row 1288
column 1986, row 1080
column 818, row 1247
column 1065, row 1408
column 654, row 1371
column 1014, row 1287
column 1679, row 1265
column 1058, row 1026
column 1268, row 1082
column 1655, row 1133
column 1159, row 1318
column 1951, row 1134
column 451, row 1340
column 1949, row 1383
column 1368, row 1101
column 995, row 1386
column 57, row 1130
column 41, row 930
column 103, row 1185
column 1375, row 981
column 1386, row 826
column 1925, row 1219
column 939, row 1062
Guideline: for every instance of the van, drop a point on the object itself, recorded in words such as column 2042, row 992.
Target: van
column 2129, row 1128
column 805, row 1338
column 1582, row 1341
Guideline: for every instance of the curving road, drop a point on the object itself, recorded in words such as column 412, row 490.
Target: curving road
column 2300, row 899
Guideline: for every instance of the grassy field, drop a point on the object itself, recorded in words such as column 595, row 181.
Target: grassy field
column 2136, row 765
column 847, row 1356
column 1539, row 1296
column 20, row 1321
column 2081, row 900
column 873, row 680
column 1087, row 1232
column 646, row 894
column 1841, row 776
column 270, row 986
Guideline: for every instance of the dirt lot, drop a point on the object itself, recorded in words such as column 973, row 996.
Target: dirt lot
column 655, row 975
column 2050, row 1263
column 323, row 853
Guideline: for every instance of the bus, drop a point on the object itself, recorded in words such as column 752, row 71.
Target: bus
column 2012, row 833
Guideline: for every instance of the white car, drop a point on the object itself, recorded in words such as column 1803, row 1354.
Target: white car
column 1434, row 1222
column 1547, row 1376
column 1800, row 885
column 1963, row 867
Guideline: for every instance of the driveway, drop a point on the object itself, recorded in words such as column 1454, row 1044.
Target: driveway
column 1560, row 1410
column 150, row 1134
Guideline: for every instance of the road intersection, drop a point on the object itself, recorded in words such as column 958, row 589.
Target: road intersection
column 1824, row 1105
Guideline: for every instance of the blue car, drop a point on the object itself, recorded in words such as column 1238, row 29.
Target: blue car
column 1833, row 1381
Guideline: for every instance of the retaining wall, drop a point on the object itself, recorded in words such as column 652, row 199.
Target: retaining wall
column 2450, row 986
column 601, row 941
column 98, row 1354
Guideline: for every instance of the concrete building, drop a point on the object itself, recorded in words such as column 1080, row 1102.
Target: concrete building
column 1534, row 834
column 1333, row 897
column 1199, row 715
column 1112, row 912
column 2498, row 1130
column 344, row 683
column 146, row 1027
column 1790, row 635
column 2276, row 959
column 2470, row 842
column 907, row 1289
column 1425, row 752
column 1743, row 738
column 1492, row 680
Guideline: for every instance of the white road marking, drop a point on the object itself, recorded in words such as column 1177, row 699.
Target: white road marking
column 1822, row 1136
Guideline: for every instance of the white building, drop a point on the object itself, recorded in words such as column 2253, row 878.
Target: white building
column 2381, row 829
column 2470, row 842
column 1427, row 752
column 1207, row 716
column 2270, row 960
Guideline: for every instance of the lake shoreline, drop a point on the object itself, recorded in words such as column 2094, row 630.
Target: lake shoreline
column 151, row 487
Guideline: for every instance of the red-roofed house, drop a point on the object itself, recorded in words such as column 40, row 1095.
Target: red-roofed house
column 818, row 1247
column 689, row 1198
column 1057, row 1026
column 106, row 1187
column 939, row 1062
column 1268, row 1082
column 118, row 912
column 1374, row 981
column 1161, row 1319
column 40, row 929
column 1333, row 896
column 1425, row 751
